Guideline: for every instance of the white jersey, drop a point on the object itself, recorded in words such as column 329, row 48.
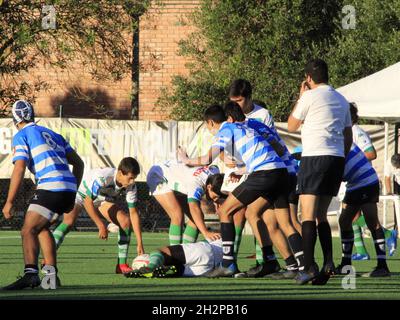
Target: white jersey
column 181, row 178
column 202, row 257
column 391, row 171
column 262, row 115
column 100, row 185
column 361, row 138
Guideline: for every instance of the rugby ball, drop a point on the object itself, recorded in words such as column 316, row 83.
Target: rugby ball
column 141, row 261
column 113, row 228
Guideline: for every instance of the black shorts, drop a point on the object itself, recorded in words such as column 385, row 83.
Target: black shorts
column 320, row 175
column 293, row 196
column 396, row 187
column 47, row 203
column 272, row 185
column 368, row 194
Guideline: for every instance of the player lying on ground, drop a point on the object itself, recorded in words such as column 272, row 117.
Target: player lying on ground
column 47, row 155
column 169, row 179
column 362, row 193
column 267, row 183
column 98, row 194
column 188, row 259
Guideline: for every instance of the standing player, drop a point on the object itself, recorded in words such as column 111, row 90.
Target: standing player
column 47, row 155
column 326, row 138
column 98, row 193
column 170, row 178
column 240, row 91
column 267, row 182
column 362, row 193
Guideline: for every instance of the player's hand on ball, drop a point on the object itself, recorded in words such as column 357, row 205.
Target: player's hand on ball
column 212, row 236
column 140, row 250
column 8, row 210
column 103, row 232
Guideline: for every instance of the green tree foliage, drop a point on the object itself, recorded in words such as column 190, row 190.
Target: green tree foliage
column 93, row 32
column 269, row 43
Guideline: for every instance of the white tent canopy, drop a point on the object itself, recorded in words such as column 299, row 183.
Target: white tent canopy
column 378, row 95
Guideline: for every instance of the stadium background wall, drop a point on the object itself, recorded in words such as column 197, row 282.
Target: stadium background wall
column 103, row 143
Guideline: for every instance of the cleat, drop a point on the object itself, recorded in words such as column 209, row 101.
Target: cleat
column 264, row 269
column 221, row 271
column 304, row 277
column 29, row 280
column 240, row 275
column 288, row 274
column 377, row 273
column 123, row 268
column 392, row 243
column 360, row 257
column 327, row 271
column 133, row 274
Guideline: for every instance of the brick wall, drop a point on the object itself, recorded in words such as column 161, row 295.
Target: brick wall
column 160, row 29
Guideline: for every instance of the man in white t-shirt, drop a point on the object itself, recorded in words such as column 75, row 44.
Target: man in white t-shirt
column 240, row 91
column 326, row 137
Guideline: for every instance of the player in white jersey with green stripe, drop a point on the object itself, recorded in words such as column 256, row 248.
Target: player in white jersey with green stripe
column 169, row 179
column 97, row 194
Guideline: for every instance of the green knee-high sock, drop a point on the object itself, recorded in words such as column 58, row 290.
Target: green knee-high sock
column 238, row 239
column 259, row 254
column 190, row 234
column 156, row 260
column 124, row 238
column 387, row 232
column 358, row 238
column 175, row 234
column 59, row 234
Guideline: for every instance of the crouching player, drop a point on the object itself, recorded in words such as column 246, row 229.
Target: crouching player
column 186, row 260
column 98, row 193
column 47, row 155
column 171, row 179
column 362, row 193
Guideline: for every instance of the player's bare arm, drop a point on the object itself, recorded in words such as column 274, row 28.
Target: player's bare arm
column 78, row 166
column 16, row 179
column 95, row 216
column 198, row 218
column 137, row 229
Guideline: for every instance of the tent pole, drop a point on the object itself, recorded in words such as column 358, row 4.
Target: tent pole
column 386, row 151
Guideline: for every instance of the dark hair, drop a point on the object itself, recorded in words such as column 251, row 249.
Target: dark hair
column 129, row 165
column 232, row 109
column 215, row 180
column 215, row 113
column 353, row 112
column 396, row 160
column 317, row 69
column 260, row 103
column 240, row 88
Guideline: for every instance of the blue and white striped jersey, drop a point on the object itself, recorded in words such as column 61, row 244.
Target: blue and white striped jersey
column 358, row 171
column 44, row 152
column 271, row 134
column 248, row 146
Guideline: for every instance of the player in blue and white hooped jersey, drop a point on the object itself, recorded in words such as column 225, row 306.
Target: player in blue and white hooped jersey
column 277, row 222
column 362, row 193
column 47, row 155
column 267, row 182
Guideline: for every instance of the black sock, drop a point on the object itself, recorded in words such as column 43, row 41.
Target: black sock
column 309, row 233
column 228, row 241
column 325, row 238
column 296, row 244
column 291, row 263
column 347, row 246
column 31, row 269
column 268, row 253
column 379, row 241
